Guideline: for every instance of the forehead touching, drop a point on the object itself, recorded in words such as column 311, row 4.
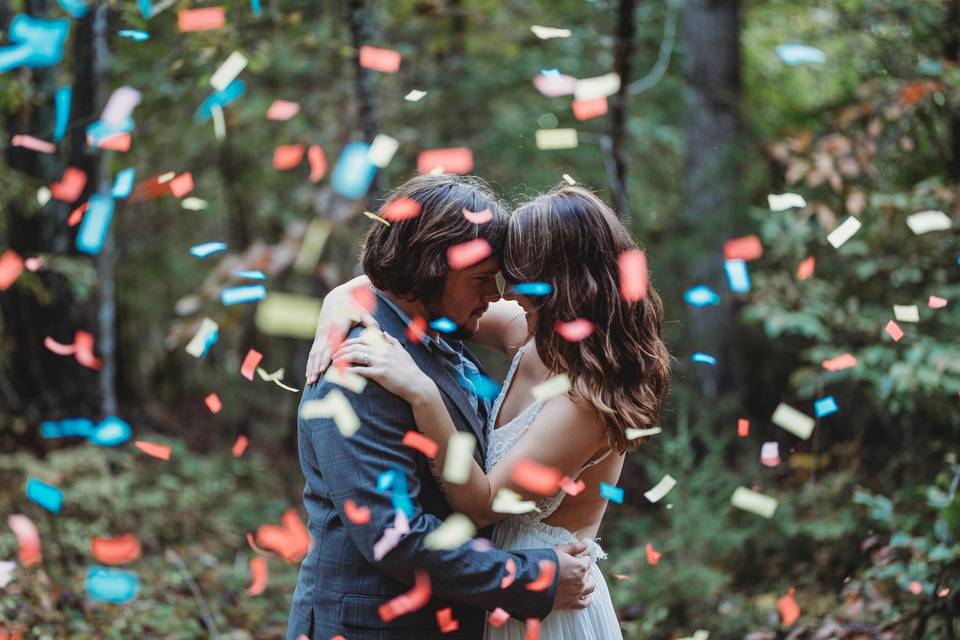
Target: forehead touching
column 489, row 267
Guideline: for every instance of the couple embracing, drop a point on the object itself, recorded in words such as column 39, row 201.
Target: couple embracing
column 378, row 577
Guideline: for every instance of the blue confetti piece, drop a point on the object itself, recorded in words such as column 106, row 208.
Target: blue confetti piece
column 550, row 72
column 36, row 42
column 123, row 183
column 611, row 493
column 385, row 479
column 238, row 295
column 98, row 131
column 483, row 386
column 146, row 9
column 701, row 296
column 46, row 495
column 233, row 91
column 69, row 428
column 75, row 8
column 61, row 100
column 532, row 288
column 795, row 54
column 111, row 585
column 704, row 358
column 825, row 406
column 111, row 432
column 207, row 249
column 95, row 224
column 255, row 7
column 443, row 325
column 738, row 276
column 394, row 481
column 250, row 275
column 353, row 173
column 134, row 34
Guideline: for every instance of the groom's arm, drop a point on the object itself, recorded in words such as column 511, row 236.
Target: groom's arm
column 350, row 467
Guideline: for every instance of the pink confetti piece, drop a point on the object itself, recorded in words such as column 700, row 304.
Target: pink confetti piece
column 533, row 629
column 653, row 556
column 77, row 215
column 282, row 110
column 240, row 446
column 915, row 587
column 511, row 568
column 805, row 269
column 844, row 361
column 34, row 144
column 498, row 618
column 458, row 160
column 536, row 478
column 120, row 550
column 575, row 330
column 28, row 539
column 59, row 348
column 548, row 570
column 182, row 184
column 570, row 487
column 554, row 86
column 11, row 266
column 894, row 331
column 201, row 19
column 259, row 573
column 744, row 248
column 400, row 209
column 287, row 156
column 743, row 427
column 477, row 217
column 466, row 254
column 356, row 514
column 446, row 621
column 587, row 109
column 788, row 608
column 391, row 535
column 936, row 302
column 33, row 264
column 383, row 60
column 633, row 274
column 213, row 403
column 318, row 162
column 250, row 363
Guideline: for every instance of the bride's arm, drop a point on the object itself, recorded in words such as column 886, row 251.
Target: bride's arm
column 503, row 327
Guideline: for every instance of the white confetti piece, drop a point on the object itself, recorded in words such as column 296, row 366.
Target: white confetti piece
column 596, row 87
column 926, row 221
column 789, row 419
column 415, row 95
column 661, row 489
column 754, row 502
column 205, row 336
column 843, row 232
column 334, row 405
column 906, row 312
column 460, row 448
column 228, row 71
column 382, row 149
column 633, row 434
column 194, row 204
column 549, row 139
column 547, row 33
column 7, row 567
column 568, row 179
column 346, row 379
column 455, row 530
column 509, row 501
column 784, row 201
column 555, row 386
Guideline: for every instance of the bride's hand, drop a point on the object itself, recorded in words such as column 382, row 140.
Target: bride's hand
column 390, row 366
column 338, row 316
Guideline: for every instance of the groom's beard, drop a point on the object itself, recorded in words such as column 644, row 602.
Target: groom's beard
column 438, row 310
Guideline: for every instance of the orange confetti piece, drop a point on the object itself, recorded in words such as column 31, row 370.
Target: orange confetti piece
column 260, row 575
column 498, row 618
column 117, row 142
column 745, row 248
column 383, row 60
column 446, row 621
column 182, row 184
column 152, row 449
column 287, row 156
column 420, row 442
column 364, row 298
column 548, row 570
column 508, row 579
column 466, row 254
column 894, row 331
column 70, row 186
column 77, row 215
column 458, row 160
column 240, row 446
column 400, row 209
column 83, row 341
column 570, row 487
column 743, row 427
column 201, row 19
column 290, row 540
column 533, row 629
column 318, row 162
column 250, row 362
column 633, row 274
column 11, row 266
column 653, row 556
column 575, row 330
column 477, row 217
column 535, row 477
column 844, row 361
column 407, row 602
column 805, row 269
column 282, row 110
column 28, row 539
column 788, row 608
column 586, row 109
column 355, row 514
column 116, row 551
column 213, row 403
column 417, row 329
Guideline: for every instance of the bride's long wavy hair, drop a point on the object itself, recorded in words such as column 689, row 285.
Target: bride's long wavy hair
column 571, row 239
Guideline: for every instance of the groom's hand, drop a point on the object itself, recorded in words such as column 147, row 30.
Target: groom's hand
column 575, row 582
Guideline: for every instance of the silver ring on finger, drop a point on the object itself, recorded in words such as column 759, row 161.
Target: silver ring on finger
column 366, row 359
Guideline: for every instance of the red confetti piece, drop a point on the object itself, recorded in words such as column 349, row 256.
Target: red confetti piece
column 586, row 109
column 116, row 551
column 400, row 209
column 355, row 514
column 653, row 556
column 745, row 248
column 383, row 60
column 458, row 160
column 805, row 269
column 407, row 602
column 260, row 575
column 364, row 298
column 201, row 19
column 477, row 217
column 182, row 184
column 34, row 144
column 467, row 254
column 70, row 186
column 77, row 215
column 11, row 266
column 508, row 579
column 548, row 570
column 287, row 156
column 788, row 608
column 152, row 449
column 213, row 403
column 116, row 142
column 844, row 361
column 84, row 343
column 633, row 274
column 570, row 487
column 575, row 330
column 28, row 539
column 240, row 446
column 290, row 540
column 446, row 622
column 894, row 331
column 250, row 362
column 936, row 302
column 318, row 162
column 417, row 329
column 282, row 110
column 743, row 427
column 533, row 629
column 420, row 442
column 535, row 477
column 498, row 618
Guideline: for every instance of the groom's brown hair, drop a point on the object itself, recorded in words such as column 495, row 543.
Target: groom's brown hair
column 409, row 257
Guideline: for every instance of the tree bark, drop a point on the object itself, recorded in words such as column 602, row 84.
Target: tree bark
column 623, row 49
column 952, row 54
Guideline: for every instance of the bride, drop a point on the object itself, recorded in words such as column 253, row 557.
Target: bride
column 618, row 373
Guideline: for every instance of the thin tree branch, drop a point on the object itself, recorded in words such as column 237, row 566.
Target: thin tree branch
column 666, row 51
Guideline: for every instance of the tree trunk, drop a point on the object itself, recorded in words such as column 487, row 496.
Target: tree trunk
column 623, row 65
column 952, row 54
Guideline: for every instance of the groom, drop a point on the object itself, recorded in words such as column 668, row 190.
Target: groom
column 345, row 579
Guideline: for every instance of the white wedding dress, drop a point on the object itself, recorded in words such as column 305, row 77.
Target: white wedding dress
column 528, row 531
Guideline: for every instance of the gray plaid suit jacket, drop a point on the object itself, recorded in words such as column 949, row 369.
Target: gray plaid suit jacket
column 341, row 586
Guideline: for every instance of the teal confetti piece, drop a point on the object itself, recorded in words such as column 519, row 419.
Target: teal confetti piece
column 483, row 386
column 111, row 432
column 46, row 495
column 532, row 288
column 69, row 428
column 394, row 481
column 76, row 8
column 703, row 358
column 207, row 249
column 238, row 295
column 233, row 91
column 796, row 54
column 36, row 42
column 826, row 406
column 738, row 275
column 61, row 100
column 250, row 275
column 353, row 173
column 701, row 296
column 611, row 493
column 123, row 183
column 255, row 7
column 146, row 8
column 134, row 34
column 443, row 325
column 111, row 585
column 95, row 224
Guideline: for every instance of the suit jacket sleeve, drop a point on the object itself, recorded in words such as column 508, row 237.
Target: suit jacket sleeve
column 350, row 467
